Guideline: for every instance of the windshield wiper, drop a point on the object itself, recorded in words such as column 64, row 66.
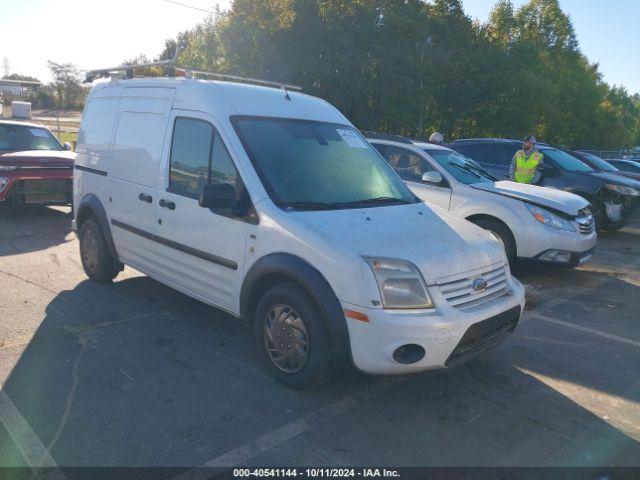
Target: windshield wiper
column 376, row 201
column 466, row 169
column 310, row 205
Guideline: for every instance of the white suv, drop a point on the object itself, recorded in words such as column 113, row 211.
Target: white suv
column 534, row 223
column 271, row 206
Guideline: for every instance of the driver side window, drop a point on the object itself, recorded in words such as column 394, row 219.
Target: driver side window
column 409, row 165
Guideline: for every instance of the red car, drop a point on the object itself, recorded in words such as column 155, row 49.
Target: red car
column 35, row 168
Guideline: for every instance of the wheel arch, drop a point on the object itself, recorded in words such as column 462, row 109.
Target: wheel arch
column 91, row 206
column 284, row 267
column 483, row 216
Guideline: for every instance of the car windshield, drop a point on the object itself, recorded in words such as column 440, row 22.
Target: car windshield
column 309, row 165
column 460, row 167
column 598, row 163
column 566, row 161
column 628, row 166
column 27, row 137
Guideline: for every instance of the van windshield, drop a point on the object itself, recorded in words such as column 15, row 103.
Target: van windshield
column 309, row 165
column 27, row 137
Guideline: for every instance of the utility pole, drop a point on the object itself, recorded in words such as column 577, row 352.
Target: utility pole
column 5, row 66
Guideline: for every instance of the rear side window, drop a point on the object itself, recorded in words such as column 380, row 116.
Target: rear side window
column 495, row 154
column 465, row 149
column 198, row 157
column 409, row 165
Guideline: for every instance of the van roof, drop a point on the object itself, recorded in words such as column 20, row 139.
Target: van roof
column 230, row 98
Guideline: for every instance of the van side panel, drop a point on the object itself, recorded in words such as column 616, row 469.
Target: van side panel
column 95, row 142
column 141, row 124
column 137, row 147
column 95, row 135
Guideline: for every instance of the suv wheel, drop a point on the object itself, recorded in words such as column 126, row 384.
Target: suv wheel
column 97, row 261
column 292, row 338
column 503, row 233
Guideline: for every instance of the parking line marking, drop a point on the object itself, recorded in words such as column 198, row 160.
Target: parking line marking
column 292, row 429
column 591, row 331
column 33, row 451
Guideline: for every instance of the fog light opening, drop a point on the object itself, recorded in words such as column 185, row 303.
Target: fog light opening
column 408, row 354
column 559, row 256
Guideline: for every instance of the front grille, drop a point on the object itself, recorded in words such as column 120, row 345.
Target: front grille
column 484, row 335
column 585, row 221
column 461, row 295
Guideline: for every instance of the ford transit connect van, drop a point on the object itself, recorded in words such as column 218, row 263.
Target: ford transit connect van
column 271, row 206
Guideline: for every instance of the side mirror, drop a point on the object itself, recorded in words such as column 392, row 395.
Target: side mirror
column 66, row 146
column 431, row 177
column 218, row 195
column 547, row 170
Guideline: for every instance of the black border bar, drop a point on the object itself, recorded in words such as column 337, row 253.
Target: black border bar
column 178, row 246
column 91, row 170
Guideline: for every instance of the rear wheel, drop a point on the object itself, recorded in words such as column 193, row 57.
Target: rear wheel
column 97, row 261
column 502, row 232
column 292, row 337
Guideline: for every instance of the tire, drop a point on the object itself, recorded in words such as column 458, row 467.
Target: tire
column 501, row 231
column 97, row 261
column 288, row 310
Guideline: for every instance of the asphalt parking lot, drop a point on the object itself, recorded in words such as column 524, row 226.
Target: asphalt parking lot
column 136, row 374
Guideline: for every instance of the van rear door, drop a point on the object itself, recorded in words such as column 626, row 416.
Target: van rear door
column 143, row 116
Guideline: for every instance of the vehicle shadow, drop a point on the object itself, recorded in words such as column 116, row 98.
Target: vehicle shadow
column 28, row 229
column 136, row 374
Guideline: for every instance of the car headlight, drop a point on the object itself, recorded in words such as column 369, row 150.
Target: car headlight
column 3, row 183
column 8, row 168
column 400, row 283
column 622, row 190
column 550, row 219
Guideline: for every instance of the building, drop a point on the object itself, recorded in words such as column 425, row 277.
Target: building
column 20, row 88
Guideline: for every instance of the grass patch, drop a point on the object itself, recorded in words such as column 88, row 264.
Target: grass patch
column 68, row 137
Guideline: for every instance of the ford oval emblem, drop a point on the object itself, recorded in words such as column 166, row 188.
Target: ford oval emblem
column 479, row 285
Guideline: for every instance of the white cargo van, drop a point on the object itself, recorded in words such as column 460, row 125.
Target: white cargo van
column 271, row 206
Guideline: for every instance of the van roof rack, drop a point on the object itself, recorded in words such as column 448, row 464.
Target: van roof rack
column 126, row 71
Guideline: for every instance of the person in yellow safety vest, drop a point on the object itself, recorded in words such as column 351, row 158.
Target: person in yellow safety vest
column 526, row 162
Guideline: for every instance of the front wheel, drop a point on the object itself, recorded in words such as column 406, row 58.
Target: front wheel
column 292, row 337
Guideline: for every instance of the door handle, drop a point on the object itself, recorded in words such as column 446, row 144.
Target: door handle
column 145, row 198
column 164, row 204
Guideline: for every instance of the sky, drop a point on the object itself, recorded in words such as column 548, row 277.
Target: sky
column 98, row 34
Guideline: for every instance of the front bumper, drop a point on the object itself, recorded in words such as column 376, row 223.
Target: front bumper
column 574, row 258
column 540, row 239
column 38, row 187
column 441, row 333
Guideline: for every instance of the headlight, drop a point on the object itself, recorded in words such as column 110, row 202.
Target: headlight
column 400, row 283
column 3, row 183
column 550, row 219
column 8, row 168
column 622, row 190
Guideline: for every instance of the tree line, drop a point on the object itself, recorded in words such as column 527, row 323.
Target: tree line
column 412, row 67
column 64, row 92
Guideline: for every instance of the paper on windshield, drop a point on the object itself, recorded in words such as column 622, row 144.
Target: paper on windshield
column 352, row 138
column 38, row 132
